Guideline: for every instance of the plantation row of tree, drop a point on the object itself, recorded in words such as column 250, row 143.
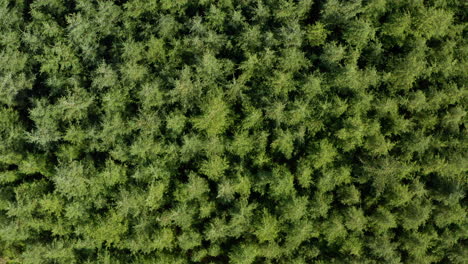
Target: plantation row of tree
column 233, row 131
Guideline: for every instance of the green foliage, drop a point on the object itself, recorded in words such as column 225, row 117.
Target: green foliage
column 271, row 131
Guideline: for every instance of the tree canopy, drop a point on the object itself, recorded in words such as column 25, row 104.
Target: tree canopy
column 248, row 131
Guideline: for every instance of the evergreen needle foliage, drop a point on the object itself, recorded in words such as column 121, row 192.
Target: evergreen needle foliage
column 233, row 131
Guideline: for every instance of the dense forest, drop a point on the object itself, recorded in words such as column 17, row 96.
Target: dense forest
column 233, row 131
